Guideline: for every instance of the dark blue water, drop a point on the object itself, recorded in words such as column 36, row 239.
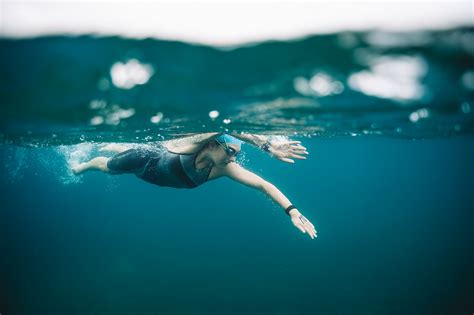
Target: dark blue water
column 387, row 118
column 394, row 221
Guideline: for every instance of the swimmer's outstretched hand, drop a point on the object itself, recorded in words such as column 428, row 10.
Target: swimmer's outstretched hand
column 285, row 150
column 302, row 223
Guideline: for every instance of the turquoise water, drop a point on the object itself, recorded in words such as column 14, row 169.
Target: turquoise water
column 62, row 90
column 388, row 183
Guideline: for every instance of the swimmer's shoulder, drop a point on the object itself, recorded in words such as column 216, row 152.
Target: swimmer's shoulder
column 180, row 149
column 189, row 145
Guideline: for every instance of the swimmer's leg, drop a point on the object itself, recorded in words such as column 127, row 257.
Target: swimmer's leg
column 98, row 163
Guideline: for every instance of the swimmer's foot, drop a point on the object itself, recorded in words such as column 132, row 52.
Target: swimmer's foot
column 98, row 163
column 77, row 168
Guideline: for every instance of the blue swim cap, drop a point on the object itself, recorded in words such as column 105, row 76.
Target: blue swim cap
column 223, row 138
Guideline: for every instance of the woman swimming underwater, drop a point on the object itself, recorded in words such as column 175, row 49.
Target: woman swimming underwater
column 191, row 161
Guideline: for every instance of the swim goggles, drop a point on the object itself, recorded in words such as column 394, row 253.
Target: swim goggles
column 230, row 151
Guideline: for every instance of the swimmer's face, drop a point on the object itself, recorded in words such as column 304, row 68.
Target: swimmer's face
column 225, row 155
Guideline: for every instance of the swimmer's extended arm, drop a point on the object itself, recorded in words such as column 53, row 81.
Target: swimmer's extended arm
column 204, row 137
column 245, row 177
column 256, row 140
column 282, row 149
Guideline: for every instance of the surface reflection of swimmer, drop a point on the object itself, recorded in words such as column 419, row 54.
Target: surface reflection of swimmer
column 191, row 161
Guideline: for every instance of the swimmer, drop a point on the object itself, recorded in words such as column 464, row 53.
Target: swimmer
column 192, row 161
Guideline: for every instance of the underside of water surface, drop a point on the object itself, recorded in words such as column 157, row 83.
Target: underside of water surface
column 65, row 90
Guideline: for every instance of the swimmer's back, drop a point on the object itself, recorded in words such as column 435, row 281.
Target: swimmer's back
column 159, row 166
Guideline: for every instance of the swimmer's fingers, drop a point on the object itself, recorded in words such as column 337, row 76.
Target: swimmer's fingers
column 301, row 228
column 290, row 148
column 304, row 227
column 308, row 226
column 299, row 149
column 286, row 160
column 298, row 225
column 311, row 230
column 305, row 223
column 296, row 145
column 287, row 156
column 299, row 157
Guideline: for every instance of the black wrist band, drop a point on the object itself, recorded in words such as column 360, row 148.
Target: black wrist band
column 290, row 207
column 265, row 147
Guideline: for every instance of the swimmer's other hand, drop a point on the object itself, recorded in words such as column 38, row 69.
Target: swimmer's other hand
column 285, row 150
column 302, row 223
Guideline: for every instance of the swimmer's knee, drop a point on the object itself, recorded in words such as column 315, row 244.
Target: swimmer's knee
column 108, row 169
column 100, row 163
column 103, row 164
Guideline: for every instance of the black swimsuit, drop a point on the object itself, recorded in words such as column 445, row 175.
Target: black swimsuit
column 161, row 167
